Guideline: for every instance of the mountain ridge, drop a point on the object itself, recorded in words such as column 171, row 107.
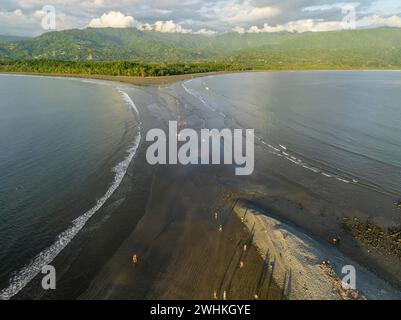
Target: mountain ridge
column 364, row 48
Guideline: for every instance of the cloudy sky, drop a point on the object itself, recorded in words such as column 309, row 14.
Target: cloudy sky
column 25, row 17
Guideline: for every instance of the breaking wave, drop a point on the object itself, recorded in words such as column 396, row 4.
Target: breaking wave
column 22, row 277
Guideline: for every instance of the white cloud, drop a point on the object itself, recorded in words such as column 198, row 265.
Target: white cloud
column 165, row 26
column 300, row 26
column 116, row 19
column 383, row 8
column 113, row 19
column 18, row 21
column 172, row 27
column 235, row 11
column 23, row 17
column 311, row 25
column 18, row 13
column 206, row 32
column 239, row 30
column 39, row 14
column 375, row 20
column 244, row 12
column 326, row 7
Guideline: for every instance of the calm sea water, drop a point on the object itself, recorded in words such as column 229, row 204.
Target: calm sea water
column 343, row 125
column 59, row 141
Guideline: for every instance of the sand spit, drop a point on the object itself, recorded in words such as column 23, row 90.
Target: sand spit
column 137, row 81
column 309, row 269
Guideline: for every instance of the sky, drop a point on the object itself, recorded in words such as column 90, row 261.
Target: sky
column 31, row 17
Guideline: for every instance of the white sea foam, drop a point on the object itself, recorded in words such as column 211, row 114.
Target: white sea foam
column 281, row 150
column 21, row 278
column 128, row 100
column 342, row 180
column 199, row 97
column 189, row 91
column 278, row 151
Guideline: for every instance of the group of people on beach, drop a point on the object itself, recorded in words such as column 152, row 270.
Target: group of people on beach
column 241, row 263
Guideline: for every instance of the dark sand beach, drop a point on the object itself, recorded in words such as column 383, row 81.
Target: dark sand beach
column 137, row 81
column 160, row 214
column 165, row 215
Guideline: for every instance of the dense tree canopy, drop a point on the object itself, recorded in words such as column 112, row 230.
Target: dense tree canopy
column 130, row 52
column 117, row 68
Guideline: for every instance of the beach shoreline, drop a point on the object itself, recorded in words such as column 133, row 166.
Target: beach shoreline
column 136, row 81
column 310, row 269
column 161, row 216
column 151, row 225
column 171, row 79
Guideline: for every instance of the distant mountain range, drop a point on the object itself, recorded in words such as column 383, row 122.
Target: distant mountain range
column 12, row 38
column 349, row 48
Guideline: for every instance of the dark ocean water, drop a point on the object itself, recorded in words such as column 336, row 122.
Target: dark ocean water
column 60, row 142
column 343, row 125
column 65, row 145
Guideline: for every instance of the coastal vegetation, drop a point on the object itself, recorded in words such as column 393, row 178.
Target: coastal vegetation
column 131, row 52
column 115, row 68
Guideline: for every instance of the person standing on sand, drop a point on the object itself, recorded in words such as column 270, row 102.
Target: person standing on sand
column 134, row 259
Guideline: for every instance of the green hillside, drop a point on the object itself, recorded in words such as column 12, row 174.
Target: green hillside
column 94, row 44
column 368, row 48
column 133, row 45
column 375, row 48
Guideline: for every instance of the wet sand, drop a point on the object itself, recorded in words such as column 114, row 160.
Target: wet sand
column 165, row 215
column 137, row 81
column 181, row 252
column 311, row 269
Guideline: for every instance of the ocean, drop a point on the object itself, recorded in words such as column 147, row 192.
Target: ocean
column 344, row 125
column 65, row 145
